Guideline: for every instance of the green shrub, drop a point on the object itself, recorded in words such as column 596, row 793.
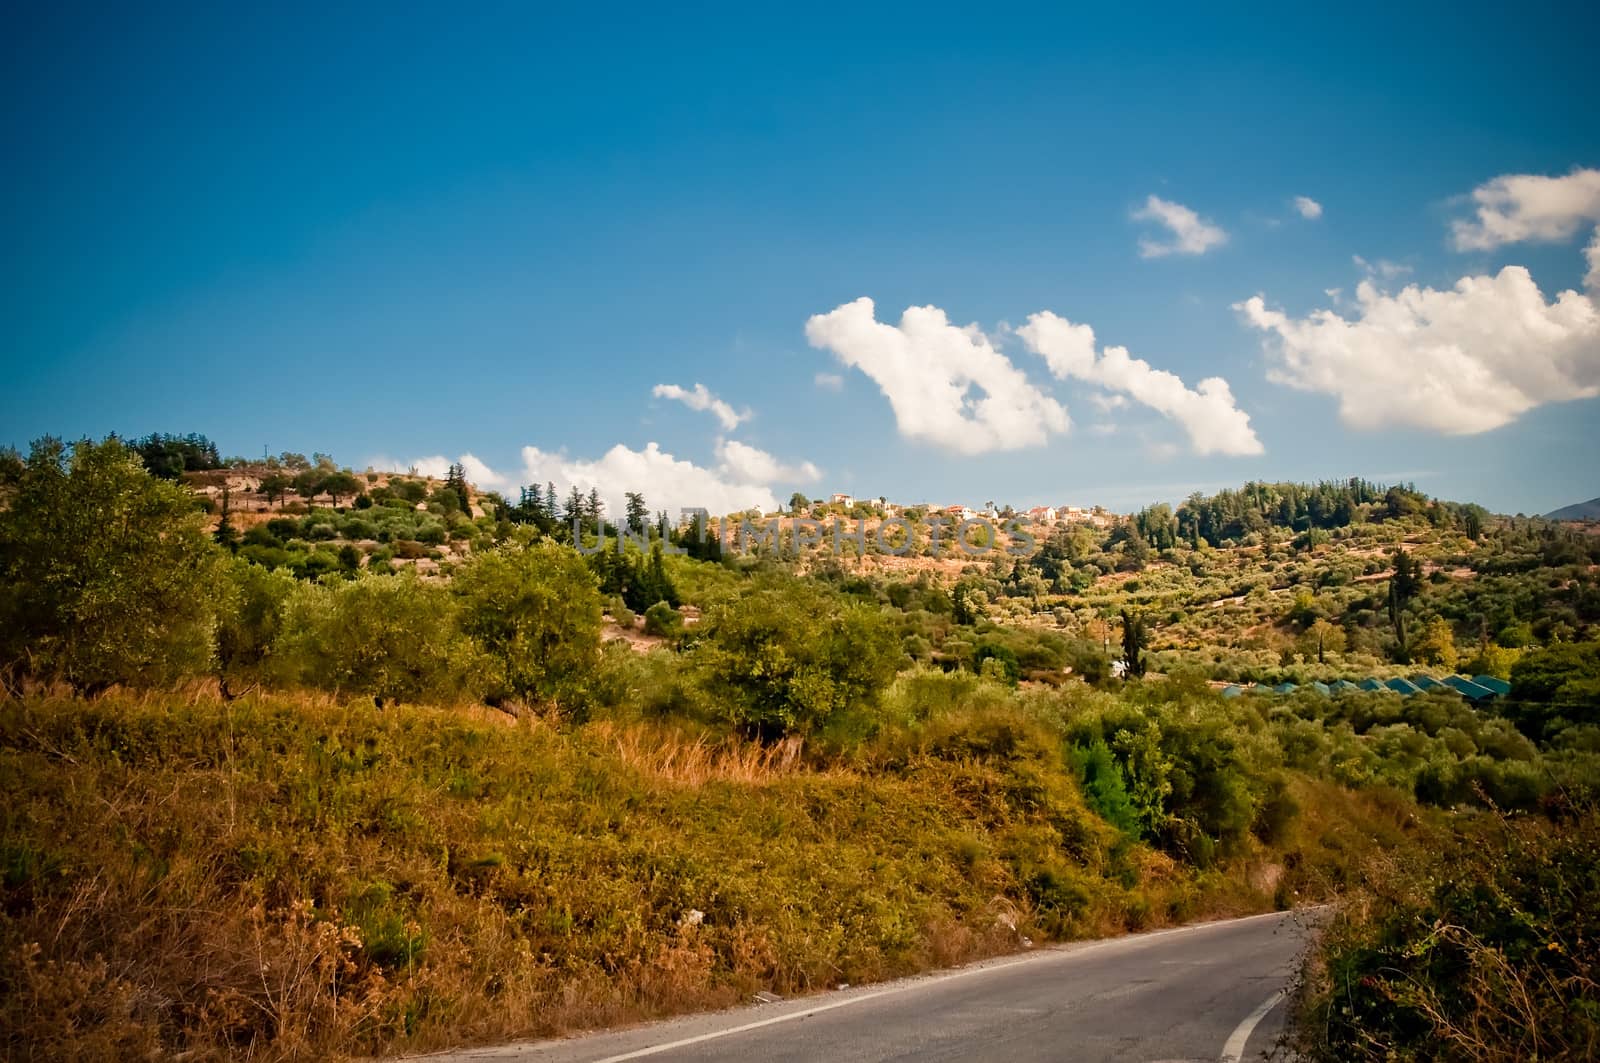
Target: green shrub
column 663, row 620
column 1104, row 787
column 107, row 574
column 392, row 637
column 1486, row 948
column 788, row 655
column 535, row 611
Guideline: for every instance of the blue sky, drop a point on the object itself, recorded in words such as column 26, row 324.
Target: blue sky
column 402, row 236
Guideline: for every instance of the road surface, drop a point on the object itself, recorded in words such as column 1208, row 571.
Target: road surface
column 1212, row 991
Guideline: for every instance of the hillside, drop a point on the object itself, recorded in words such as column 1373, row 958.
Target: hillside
column 1584, row 511
column 284, row 792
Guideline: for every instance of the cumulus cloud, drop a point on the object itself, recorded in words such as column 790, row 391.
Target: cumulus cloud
column 1458, row 361
column 479, row 474
column 947, row 385
column 700, row 398
column 1466, row 359
column 667, row 482
column 1215, row 425
column 1309, row 208
column 829, row 381
column 743, row 477
column 745, row 463
column 1518, row 207
column 1191, row 234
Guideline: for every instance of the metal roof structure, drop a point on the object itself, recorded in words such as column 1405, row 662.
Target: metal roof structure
column 1467, row 688
column 1499, row 686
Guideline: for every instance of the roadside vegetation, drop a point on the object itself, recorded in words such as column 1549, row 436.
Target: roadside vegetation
column 263, row 805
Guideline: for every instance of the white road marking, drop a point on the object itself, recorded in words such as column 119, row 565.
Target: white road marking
column 919, row 983
column 1233, row 1050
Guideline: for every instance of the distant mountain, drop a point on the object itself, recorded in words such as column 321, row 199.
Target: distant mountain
column 1589, row 510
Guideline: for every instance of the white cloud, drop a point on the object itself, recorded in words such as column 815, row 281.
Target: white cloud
column 1459, row 361
column 479, row 474
column 1191, row 234
column 1215, row 425
column 743, row 477
column 700, row 398
column 1381, row 268
column 1517, row 207
column 829, row 381
column 666, row 482
column 1470, row 358
column 435, row 465
column 482, row 476
column 928, row 369
column 1309, row 208
column 748, row 464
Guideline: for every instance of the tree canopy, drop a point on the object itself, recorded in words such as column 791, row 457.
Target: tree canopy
column 106, row 573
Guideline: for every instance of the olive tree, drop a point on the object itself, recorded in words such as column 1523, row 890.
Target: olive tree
column 789, row 656
column 249, row 621
column 392, row 637
column 107, row 574
column 535, row 611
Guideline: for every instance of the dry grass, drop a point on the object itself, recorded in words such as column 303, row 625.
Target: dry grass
column 296, row 878
column 669, row 755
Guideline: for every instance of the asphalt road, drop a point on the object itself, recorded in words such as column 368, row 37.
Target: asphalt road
column 1206, row 992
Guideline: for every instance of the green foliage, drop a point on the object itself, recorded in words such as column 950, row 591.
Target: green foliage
column 787, row 656
column 535, row 611
column 1197, row 773
column 1134, row 640
column 1404, row 585
column 996, row 658
column 1104, row 787
column 1486, row 948
column 1555, row 688
column 169, row 457
column 394, row 638
column 455, row 482
column 663, row 620
column 106, row 573
column 249, row 622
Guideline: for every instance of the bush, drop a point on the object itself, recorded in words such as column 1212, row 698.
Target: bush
column 535, row 611
column 1484, row 949
column 107, row 574
column 788, row 655
column 663, row 620
column 1104, row 787
column 391, row 637
column 250, row 621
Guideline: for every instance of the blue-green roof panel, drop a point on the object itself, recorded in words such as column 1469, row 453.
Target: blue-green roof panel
column 1468, row 688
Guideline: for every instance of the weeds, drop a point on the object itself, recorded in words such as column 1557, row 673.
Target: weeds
column 1487, row 950
column 279, row 878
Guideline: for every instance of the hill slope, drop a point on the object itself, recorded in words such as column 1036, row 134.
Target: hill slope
column 1589, row 510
